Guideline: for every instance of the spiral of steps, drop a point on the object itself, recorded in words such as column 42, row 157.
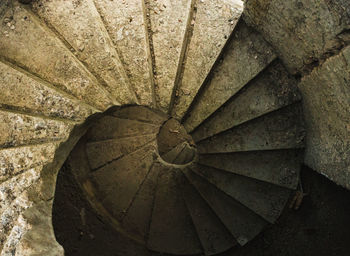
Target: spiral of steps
column 180, row 124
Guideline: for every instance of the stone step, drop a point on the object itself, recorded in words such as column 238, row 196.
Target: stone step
column 279, row 167
column 171, row 229
column 245, row 56
column 19, row 130
column 117, row 183
column 212, row 24
column 186, row 155
column 265, row 199
column 141, row 114
column 171, row 155
column 102, row 152
column 125, row 22
column 214, row 236
column 23, row 92
column 274, row 88
column 48, row 57
column 138, row 216
column 14, row 161
column 281, row 129
column 242, row 223
column 168, row 24
column 109, row 127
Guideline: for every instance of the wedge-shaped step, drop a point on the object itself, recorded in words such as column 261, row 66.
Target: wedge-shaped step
column 118, row 182
column 31, row 45
column 280, row 167
column 17, row 129
column 14, row 161
column 265, row 199
column 274, row 88
column 21, row 92
column 171, row 229
column 186, row 155
column 138, row 216
column 125, row 22
column 242, row 223
column 246, row 54
column 168, row 22
column 282, row 129
column 102, row 152
column 171, row 155
column 213, row 23
column 214, row 236
column 109, row 127
column 141, row 113
column 81, row 26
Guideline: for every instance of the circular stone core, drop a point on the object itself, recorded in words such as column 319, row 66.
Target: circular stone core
column 175, row 145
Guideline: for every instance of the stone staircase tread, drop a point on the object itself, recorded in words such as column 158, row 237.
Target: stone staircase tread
column 280, row 167
column 171, row 230
column 185, row 156
column 265, row 199
column 281, row 129
column 141, row 114
column 171, row 155
column 214, row 236
column 48, row 57
column 245, row 56
column 213, row 23
column 242, row 223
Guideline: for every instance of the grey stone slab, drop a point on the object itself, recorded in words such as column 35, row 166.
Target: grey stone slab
column 271, row 90
column 326, row 102
column 125, row 22
column 282, row 129
column 243, row 223
column 213, row 22
column 18, row 129
column 300, row 31
column 138, row 217
column 171, row 229
column 102, row 152
column 214, row 236
column 265, row 199
column 141, row 113
column 109, row 127
column 168, row 26
column 48, row 57
column 24, row 93
column 280, row 167
column 17, row 160
column 118, row 182
column 246, row 54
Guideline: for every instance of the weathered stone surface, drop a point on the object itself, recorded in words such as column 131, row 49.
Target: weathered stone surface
column 140, row 113
column 326, row 99
column 301, row 31
column 244, row 57
column 213, row 23
column 17, row 129
column 282, row 129
column 16, row 160
column 168, row 26
column 272, row 89
column 32, row 46
column 81, row 26
column 21, row 92
column 125, row 23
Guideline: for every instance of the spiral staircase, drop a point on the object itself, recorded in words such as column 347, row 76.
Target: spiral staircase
column 180, row 124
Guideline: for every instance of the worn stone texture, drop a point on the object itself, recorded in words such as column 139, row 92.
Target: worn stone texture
column 81, row 26
column 20, row 91
column 125, row 23
column 14, row 161
column 245, row 56
column 34, row 47
column 168, row 26
column 272, row 89
column 326, row 99
column 18, row 129
column 213, row 23
column 301, row 31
